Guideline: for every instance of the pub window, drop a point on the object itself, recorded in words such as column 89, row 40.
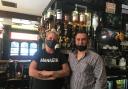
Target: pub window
column 14, row 48
column 24, row 49
column 23, row 44
column 33, row 48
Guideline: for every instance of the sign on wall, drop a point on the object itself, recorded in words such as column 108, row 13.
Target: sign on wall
column 110, row 7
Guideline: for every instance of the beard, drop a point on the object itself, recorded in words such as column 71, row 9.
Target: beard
column 81, row 47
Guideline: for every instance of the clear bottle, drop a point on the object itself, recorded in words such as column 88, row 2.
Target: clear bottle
column 83, row 20
column 95, row 21
column 75, row 16
column 49, row 13
column 59, row 21
column 122, row 63
column 59, row 14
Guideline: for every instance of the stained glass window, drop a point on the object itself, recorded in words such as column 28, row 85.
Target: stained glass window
column 24, row 48
column 33, row 48
column 14, row 48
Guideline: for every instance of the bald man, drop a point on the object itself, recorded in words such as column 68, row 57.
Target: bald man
column 49, row 67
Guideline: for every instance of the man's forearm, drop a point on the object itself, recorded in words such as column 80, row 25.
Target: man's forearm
column 60, row 73
column 35, row 74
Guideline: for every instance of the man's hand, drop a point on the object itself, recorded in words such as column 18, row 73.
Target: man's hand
column 47, row 74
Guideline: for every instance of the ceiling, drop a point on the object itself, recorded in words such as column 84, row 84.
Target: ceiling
column 30, row 7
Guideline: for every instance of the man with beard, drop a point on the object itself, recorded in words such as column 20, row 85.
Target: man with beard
column 87, row 67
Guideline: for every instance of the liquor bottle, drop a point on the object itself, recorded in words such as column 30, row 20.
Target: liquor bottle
column 122, row 63
column 49, row 19
column 110, row 84
column 64, row 32
column 88, row 22
column 67, row 26
column 75, row 18
column 70, row 34
column 49, row 15
column 120, row 84
column 18, row 68
column 59, row 27
column 95, row 22
column 66, row 20
column 59, row 24
column 82, row 18
column 8, row 71
column 60, row 41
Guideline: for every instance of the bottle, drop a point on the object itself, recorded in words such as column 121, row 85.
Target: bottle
column 122, row 63
column 59, row 24
column 75, row 15
column 69, row 35
column 66, row 20
column 88, row 22
column 49, row 14
column 8, row 71
column 59, row 15
column 50, row 19
column 110, row 84
column 82, row 21
column 95, row 22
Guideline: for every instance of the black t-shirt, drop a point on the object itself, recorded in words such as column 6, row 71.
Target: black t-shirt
column 49, row 62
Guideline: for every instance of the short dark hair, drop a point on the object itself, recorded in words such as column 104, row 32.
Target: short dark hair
column 81, row 31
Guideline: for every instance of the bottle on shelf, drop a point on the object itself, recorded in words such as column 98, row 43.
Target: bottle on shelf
column 109, row 84
column 82, row 20
column 49, row 19
column 75, row 16
column 120, row 84
column 122, row 63
column 49, row 15
column 95, row 21
column 66, row 20
column 59, row 24
column 88, row 21
column 75, row 20
column 59, row 27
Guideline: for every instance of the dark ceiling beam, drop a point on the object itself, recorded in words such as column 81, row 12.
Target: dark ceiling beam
column 7, row 14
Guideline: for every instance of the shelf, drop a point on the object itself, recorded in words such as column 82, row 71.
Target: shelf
column 109, row 78
column 116, row 72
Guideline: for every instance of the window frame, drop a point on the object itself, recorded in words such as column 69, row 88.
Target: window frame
column 19, row 53
column 19, row 56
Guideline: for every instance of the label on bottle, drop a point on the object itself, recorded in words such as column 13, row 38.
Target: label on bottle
column 75, row 16
column 48, row 14
column 82, row 18
column 66, row 18
column 59, row 15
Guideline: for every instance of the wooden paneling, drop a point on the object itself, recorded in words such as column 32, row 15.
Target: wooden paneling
column 18, row 15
